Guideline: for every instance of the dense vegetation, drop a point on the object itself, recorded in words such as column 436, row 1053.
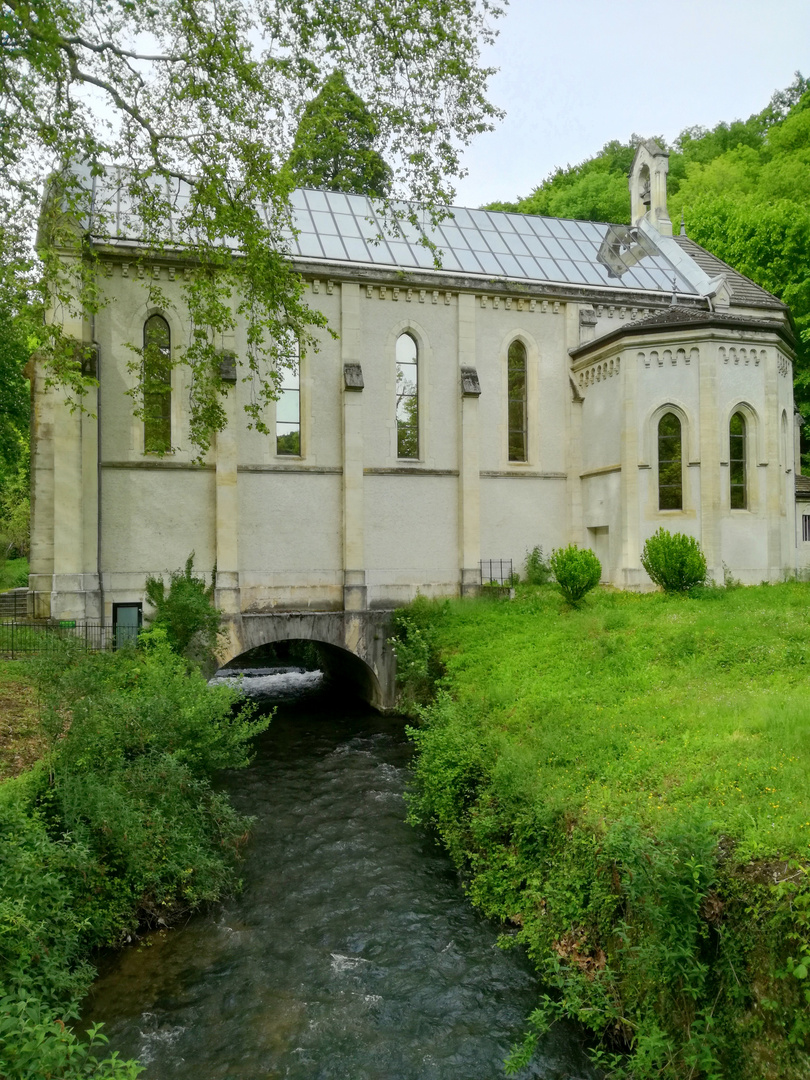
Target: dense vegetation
column 335, row 146
column 674, row 561
column 625, row 786
column 118, row 827
column 742, row 188
column 183, row 609
column 15, row 349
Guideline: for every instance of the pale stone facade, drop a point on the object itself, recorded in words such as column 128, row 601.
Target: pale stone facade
column 626, row 327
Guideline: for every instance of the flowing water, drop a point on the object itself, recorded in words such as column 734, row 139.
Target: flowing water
column 351, row 953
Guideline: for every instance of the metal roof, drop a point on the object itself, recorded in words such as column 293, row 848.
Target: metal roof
column 743, row 289
column 334, row 227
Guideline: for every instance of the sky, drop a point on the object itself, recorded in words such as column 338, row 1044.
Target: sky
column 575, row 74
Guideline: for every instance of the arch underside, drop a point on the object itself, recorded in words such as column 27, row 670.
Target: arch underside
column 353, row 648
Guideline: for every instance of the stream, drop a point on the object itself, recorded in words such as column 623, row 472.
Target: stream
column 351, row 952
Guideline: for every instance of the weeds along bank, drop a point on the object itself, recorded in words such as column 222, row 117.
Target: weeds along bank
column 116, row 828
column 624, row 785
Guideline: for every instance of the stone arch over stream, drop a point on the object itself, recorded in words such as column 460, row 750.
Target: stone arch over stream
column 353, row 645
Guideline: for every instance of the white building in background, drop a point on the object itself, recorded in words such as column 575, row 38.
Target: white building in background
column 556, row 381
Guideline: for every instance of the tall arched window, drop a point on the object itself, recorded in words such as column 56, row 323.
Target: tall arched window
column 157, row 386
column 288, row 406
column 736, row 462
column 407, row 397
column 516, row 378
column 670, row 463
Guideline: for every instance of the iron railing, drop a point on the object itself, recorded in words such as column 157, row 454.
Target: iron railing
column 496, row 572
column 30, row 637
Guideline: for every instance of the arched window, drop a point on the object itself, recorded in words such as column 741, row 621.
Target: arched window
column 645, row 187
column 157, row 386
column 516, row 378
column 670, row 463
column 736, row 461
column 288, row 406
column 407, row 397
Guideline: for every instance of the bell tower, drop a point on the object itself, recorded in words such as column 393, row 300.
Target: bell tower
column 648, row 187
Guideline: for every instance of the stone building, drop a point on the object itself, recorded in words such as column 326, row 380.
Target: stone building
column 555, row 381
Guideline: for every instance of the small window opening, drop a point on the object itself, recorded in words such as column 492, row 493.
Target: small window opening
column 516, row 366
column 806, row 527
column 407, row 397
column 670, row 463
column 786, row 455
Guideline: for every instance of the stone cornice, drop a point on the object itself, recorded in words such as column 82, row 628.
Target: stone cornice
column 715, row 328
column 130, row 254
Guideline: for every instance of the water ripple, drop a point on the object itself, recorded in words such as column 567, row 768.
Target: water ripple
column 351, row 953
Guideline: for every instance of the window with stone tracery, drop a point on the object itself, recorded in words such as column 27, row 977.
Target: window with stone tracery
column 288, row 406
column 737, row 462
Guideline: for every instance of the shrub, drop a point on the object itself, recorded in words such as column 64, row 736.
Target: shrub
column 414, row 644
column 120, row 826
column 185, row 611
column 576, row 571
column 136, row 738
column 13, row 573
column 538, row 571
column 674, row 561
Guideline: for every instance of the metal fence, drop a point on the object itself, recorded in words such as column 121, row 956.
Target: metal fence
column 496, row 572
column 30, row 637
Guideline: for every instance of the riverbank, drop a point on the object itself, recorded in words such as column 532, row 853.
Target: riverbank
column 625, row 785
column 116, row 828
column 22, row 742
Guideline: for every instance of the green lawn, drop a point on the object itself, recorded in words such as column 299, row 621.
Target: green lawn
column 21, row 738
column 13, row 574
column 649, row 704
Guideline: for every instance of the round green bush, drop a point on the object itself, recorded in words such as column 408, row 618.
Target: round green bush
column 576, row 571
column 674, row 561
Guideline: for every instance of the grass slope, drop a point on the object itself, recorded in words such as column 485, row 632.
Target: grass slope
column 627, row 783
column 651, row 705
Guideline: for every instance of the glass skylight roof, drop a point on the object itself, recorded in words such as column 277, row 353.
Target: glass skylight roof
column 347, row 229
column 481, row 242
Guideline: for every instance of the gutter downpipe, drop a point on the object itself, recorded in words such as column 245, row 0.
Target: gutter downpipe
column 98, row 477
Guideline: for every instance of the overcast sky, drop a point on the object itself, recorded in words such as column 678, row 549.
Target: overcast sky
column 577, row 73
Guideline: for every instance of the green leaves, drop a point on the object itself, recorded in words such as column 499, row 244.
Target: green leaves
column 576, row 571
column 184, row 613
column 674, row 561
column 335, row 144
column 211, row 94
column 123, row 830
column 626, row 786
